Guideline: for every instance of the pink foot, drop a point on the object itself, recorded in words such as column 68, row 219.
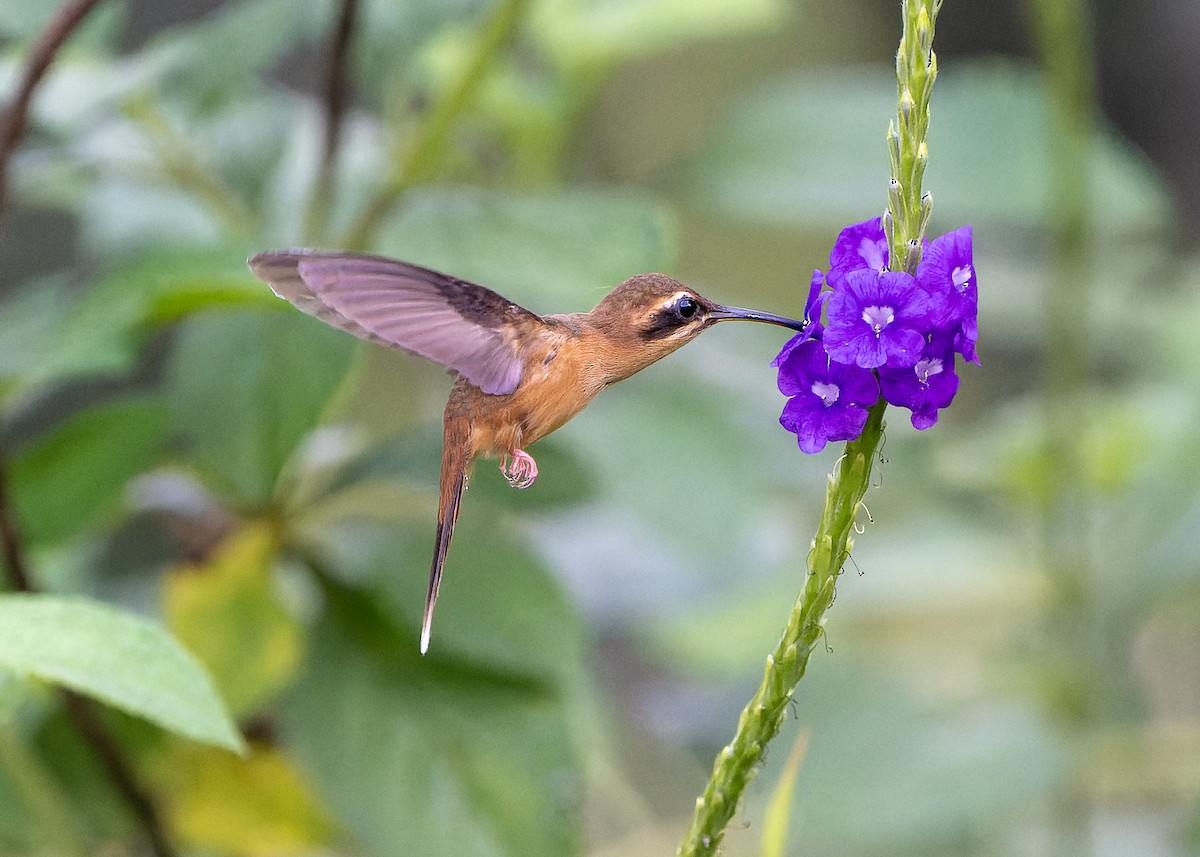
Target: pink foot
column 521, row 470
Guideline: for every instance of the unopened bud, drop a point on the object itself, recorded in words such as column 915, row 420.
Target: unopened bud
column 926, row 213
column 924, row 31
column 896, row 199
column 912, row 255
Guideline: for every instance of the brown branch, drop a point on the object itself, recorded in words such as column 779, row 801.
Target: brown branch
column 335, row 110
column 82, row 714
column 11, row 546
column 15, row 117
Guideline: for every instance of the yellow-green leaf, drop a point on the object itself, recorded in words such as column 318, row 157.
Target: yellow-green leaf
column 258, row 806
column 779, row 808
column 229, row 614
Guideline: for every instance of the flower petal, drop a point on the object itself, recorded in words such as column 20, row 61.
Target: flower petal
column 860, row 246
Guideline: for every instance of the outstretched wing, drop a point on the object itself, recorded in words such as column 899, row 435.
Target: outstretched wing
column 466, row 327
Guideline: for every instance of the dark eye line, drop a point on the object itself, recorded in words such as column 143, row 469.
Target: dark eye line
column 673, row 316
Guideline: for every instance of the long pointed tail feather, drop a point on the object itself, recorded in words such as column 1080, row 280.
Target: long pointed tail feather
column 453, row 483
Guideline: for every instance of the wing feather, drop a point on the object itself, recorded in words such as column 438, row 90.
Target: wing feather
column 464, row 326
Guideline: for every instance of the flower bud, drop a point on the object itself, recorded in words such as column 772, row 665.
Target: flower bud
column 896, row 197
column 924, row 31
column 926, row 212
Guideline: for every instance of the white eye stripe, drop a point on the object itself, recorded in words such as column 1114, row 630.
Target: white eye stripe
column 673, row 301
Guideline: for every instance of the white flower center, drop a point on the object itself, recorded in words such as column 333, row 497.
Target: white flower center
column 878, row 317
column 962, row 277
column 827, row 393
column 926, row 367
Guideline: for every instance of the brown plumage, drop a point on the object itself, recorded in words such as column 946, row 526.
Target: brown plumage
column 520, row 375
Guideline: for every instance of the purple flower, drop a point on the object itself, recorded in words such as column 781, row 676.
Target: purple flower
column 860, row 246
column 885, row 333
column 927, row 386
column 829, row 400
column 877, row 319
column 813, row 307
column 947, row 274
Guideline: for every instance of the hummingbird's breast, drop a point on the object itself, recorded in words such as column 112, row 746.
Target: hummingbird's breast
column 562, row 375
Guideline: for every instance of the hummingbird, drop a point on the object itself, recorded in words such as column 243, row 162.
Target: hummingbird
column 520, row 375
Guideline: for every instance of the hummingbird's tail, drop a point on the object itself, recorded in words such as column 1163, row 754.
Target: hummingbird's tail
column 453, row 483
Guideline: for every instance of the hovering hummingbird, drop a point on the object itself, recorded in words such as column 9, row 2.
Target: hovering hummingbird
column 519, row 375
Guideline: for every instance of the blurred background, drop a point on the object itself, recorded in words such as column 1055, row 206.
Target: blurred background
column 1013, row 660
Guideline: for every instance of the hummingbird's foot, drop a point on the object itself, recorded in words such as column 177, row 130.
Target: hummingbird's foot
column 520, row 470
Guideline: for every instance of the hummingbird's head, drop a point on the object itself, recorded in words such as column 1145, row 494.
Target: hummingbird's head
column 657, row 308
column 650, row 315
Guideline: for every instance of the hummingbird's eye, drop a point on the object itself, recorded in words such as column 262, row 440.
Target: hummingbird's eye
column 687, row 307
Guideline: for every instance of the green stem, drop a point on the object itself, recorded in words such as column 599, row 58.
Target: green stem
column 738, row 762
column 905, row 221
column 424, row 152
column 182, row 165
column 1060, row 27
column 916, row 70
column 1071, row 625
column 1061, row 34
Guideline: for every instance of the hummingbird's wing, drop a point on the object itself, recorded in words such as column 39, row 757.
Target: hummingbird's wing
column 466, row 327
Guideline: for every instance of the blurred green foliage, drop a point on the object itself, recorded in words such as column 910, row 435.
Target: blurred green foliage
column 183, row 446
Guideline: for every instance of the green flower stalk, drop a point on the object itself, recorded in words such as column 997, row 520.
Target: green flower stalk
column 916, row 69
column 761, row 719
column 904, row 225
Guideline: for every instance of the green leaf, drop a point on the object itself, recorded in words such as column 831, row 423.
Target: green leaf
column 71, row 477
column 480, row 730
column 498, row 607
column 51, row 335
column 558, row 251
column 30, row 344
column 412, row 765
column 116, row 657
column 244, row 389
column 162, row 286
column 811, row 149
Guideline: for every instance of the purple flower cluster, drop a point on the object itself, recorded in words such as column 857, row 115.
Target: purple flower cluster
column 885, row 333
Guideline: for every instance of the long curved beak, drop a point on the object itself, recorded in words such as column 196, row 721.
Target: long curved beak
column 728, row 313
